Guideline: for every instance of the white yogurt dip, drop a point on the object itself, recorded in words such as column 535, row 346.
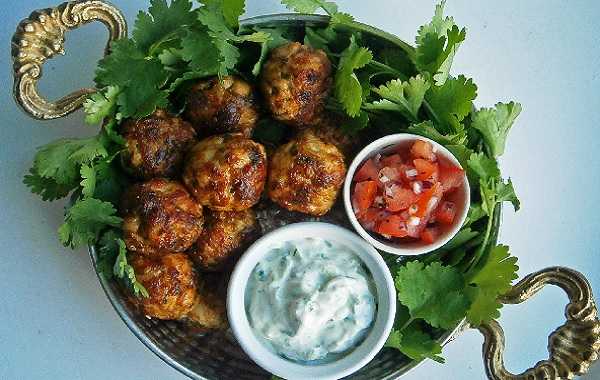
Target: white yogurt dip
column 309, row 298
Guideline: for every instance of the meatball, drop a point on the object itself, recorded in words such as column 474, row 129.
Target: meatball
column 209, row 307
column 226, row 172
column 306, row 174
column 224, row 106
column 224, row 234
column 170, row 282
column 156, row 145
column 295, row 81
column 160, row 216
column 330, row 131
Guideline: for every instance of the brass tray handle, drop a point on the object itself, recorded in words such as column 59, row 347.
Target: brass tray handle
column 572, row 347
column 41, row 36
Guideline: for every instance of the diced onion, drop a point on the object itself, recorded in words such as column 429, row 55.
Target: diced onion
column 414, row 221
column 411, row 173
column 417, row 187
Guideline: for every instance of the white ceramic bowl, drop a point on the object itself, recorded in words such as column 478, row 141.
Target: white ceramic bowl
column 285, row 368
column 461, row 197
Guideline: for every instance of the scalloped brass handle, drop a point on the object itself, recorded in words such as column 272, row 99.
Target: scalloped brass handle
column 572, row 347
column 40, row 37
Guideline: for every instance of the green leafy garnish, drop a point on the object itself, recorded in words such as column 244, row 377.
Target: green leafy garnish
column 85, row 220
column 452, row 102
column 432, row 293
column 495, row 123
column 405, row 97
column 348, row 89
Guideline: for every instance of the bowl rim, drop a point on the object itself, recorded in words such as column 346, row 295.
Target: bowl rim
column 118, row 302
column 409, row 249
column 360, row 355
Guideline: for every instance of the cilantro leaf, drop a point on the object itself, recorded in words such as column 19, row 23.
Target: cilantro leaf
column 437, row 43
column 123, row 270
column 495, row 123
column 60, row 159
column 505, row 192
column 461, row 152
column 161, row 21
column 348, row 89
column 310, row 6
column 452, row 102
column 405, row 97
column 198, row 48
column 141, row 79
column 85, row 220
column 47, row 188
column 101, row 105
column 483, row 166
column 484, row 306
column 232, row 10
column 498, row 272
column 415, row 344
column 427, row 129
column 492, row 280
column 432, row 293
column 88, row 182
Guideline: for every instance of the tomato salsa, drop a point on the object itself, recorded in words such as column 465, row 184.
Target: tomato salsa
column 406, row 195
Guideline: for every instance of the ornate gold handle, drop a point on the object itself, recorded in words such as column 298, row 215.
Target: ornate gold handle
column 40, row 37
column 572, row 347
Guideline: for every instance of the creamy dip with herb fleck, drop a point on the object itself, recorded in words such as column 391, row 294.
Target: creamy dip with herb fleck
column 309, row 298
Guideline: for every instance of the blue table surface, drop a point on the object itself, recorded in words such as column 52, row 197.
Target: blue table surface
column 56, row 322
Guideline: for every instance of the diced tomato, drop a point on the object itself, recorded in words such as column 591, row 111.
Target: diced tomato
column 364, row 194
column 368, row 171
column 393, row 160
column 387, row 175
column 398, row 198
column 407, row 172
column 429, row 234
column 429, row 200
column 371, row 217
column 451, row 177
column 422, row 149
column 427, row 170
column 446, row 212
column 393, row 226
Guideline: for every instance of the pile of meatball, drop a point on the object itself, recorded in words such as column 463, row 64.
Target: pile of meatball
column 191, row 213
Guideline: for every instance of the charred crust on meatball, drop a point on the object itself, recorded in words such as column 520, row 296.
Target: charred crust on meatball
column 228, row 105
column 225, row 234
column 160, row 216
column 306, row 174
column 295, row 81
column 170, row 281
column 226, row 172
column 155, row 146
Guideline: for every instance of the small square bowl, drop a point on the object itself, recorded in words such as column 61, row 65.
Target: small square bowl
column 461, row 196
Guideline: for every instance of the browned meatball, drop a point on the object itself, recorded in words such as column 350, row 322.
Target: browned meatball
column 156, row 145
column 226, row 172
column 306, row 174
column 224, row 106
column 224, row 234
column 330, row 130
column 295, row 81
column 160, row 216
column 209, row 307
column 170, row 282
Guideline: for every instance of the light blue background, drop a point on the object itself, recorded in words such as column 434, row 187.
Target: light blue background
column 55, row 322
